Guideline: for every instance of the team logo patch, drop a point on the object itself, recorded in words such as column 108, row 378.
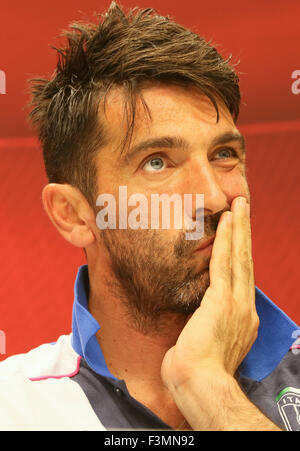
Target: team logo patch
column 288, row 402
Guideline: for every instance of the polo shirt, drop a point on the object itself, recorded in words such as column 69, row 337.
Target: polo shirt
column 67, row 385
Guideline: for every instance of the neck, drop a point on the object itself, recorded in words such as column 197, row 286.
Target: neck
column 132, row 355
column 128, row 351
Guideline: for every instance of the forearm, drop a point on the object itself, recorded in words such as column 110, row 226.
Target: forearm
column 219, row 404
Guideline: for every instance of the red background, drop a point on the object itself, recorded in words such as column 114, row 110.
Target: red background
column 38, row 266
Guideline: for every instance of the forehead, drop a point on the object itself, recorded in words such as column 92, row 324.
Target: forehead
column 172, row 109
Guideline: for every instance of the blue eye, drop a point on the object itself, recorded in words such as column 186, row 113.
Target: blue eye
column 154, row 165
column 227, row 153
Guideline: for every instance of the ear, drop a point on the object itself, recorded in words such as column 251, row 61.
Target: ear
column 70, row 213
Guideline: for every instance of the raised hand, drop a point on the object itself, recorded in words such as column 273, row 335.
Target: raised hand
column 199, row 370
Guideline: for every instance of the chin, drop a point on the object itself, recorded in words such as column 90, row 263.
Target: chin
column 188, row 298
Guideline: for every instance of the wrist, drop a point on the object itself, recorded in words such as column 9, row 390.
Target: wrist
column 211, row 399
column 204, row 395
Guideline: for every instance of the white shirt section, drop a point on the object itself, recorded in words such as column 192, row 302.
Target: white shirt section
column 53, row 403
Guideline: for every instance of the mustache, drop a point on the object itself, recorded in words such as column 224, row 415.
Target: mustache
column 184, row 248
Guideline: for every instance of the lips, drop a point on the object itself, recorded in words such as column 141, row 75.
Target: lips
column 205, row 244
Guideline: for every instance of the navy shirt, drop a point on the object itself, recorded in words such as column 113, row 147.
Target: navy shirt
column 269, row 375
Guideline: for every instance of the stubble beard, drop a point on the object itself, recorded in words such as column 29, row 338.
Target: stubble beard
column 155, row 276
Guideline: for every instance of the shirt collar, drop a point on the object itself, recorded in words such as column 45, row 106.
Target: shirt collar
column 275, row 334
column 84, row 326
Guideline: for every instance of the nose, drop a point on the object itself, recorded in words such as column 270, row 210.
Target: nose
column 204, row 181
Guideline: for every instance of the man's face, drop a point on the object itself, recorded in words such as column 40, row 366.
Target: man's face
column 160, row 271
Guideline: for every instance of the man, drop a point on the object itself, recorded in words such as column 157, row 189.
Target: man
column 168, row 332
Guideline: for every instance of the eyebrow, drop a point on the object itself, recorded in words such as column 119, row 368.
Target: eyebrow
column 172, row 142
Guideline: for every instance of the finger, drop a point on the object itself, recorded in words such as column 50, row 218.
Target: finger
column 252, row 278
column 220, row 262
column 242, row 266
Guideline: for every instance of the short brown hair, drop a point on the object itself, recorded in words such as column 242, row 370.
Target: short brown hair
column 120, row 50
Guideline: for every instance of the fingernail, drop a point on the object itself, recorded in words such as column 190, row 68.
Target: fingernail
column 242, row 202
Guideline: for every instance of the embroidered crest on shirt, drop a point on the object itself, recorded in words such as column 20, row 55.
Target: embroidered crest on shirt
column 288, row 402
